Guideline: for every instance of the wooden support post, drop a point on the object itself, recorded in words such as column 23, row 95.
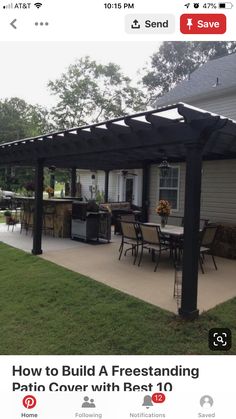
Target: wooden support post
column 145, row 192
column 73, row 182
column 106, row 185
column 52, row 182
column 188, row 307
column 38, row 209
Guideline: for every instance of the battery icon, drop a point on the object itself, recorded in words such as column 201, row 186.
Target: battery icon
column 226, row 5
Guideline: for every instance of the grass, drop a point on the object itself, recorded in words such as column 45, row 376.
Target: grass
column 2, row 218
column 46, row 309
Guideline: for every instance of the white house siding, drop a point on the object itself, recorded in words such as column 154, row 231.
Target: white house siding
column 219, row 177
column 138, row 187
column 219, row 191
column 218, row 196
column 86, row 180
column 224, row 105
column 113, row 191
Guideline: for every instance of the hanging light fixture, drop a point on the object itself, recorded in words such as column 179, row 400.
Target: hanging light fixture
column 164, row 167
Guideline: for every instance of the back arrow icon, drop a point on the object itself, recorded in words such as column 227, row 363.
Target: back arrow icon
column 13, row 23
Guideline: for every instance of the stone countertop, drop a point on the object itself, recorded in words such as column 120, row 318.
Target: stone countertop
column 49, row 200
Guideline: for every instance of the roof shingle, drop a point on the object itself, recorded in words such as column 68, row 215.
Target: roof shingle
column 203, row 81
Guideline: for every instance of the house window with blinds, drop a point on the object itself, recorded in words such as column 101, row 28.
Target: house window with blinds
column 169, row 187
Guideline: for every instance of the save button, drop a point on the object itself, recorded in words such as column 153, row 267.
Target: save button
column 205, row 24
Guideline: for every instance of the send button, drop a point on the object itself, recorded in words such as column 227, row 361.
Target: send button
column 151, row 24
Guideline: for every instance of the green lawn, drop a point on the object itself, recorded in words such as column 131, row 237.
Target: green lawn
column 46, row 309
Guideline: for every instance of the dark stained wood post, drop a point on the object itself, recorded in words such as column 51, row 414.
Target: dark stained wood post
column 38, row 209
column 145, row 192
column 106, row 185
column 52, row 182
column 52, row 178
column 191, row 230
column 73, row 182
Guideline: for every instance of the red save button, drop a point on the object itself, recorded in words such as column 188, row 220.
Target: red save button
column 203, row 24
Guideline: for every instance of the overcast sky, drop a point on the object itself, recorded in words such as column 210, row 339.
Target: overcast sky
column 26, row 67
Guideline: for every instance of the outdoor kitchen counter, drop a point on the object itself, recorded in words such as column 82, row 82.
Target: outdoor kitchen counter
column 57, row 212
column 62, row 215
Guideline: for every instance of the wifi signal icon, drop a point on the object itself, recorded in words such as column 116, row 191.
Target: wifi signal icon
column 38, row 5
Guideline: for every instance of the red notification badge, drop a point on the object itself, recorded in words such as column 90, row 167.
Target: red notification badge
column 158, row 397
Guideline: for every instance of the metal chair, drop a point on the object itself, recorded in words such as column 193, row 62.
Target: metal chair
column 208, row 236
column 26, row 216
column 151, row 240
column 130, row 217
column 130, row 237
column 178, row 243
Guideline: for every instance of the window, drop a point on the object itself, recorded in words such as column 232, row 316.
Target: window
column 169, row 187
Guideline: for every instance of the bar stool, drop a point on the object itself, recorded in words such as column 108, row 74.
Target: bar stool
column 15, row 214
column 49, row 213
column 26, row 217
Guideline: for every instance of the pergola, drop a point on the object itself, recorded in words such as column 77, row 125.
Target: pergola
column 178, row 132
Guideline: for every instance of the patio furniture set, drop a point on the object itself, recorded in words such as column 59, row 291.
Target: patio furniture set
column 156, row 239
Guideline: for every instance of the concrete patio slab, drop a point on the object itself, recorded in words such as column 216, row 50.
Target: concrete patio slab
column 24, row 241
column 100, row 262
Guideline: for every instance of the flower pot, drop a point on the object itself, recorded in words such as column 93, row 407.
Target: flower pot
column 164, row 220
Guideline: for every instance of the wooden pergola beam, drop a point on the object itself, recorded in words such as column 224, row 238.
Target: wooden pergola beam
column 38, row 208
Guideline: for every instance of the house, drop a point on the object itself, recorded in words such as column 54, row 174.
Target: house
column 211, row 87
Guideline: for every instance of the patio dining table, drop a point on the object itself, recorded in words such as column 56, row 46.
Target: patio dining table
column 169, row 230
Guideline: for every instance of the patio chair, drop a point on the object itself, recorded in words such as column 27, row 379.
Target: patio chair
column 178, row 243
column 208, row 236
column 151, row 240
column 176, row 220
column 130, row 237
column 12, row 223
column 123, row 217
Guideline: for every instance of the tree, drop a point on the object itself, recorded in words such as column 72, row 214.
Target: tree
column 19, row 119
column 175, row 60
column 90, row 92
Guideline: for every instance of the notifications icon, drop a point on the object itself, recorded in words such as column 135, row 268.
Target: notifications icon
column 147, row 402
